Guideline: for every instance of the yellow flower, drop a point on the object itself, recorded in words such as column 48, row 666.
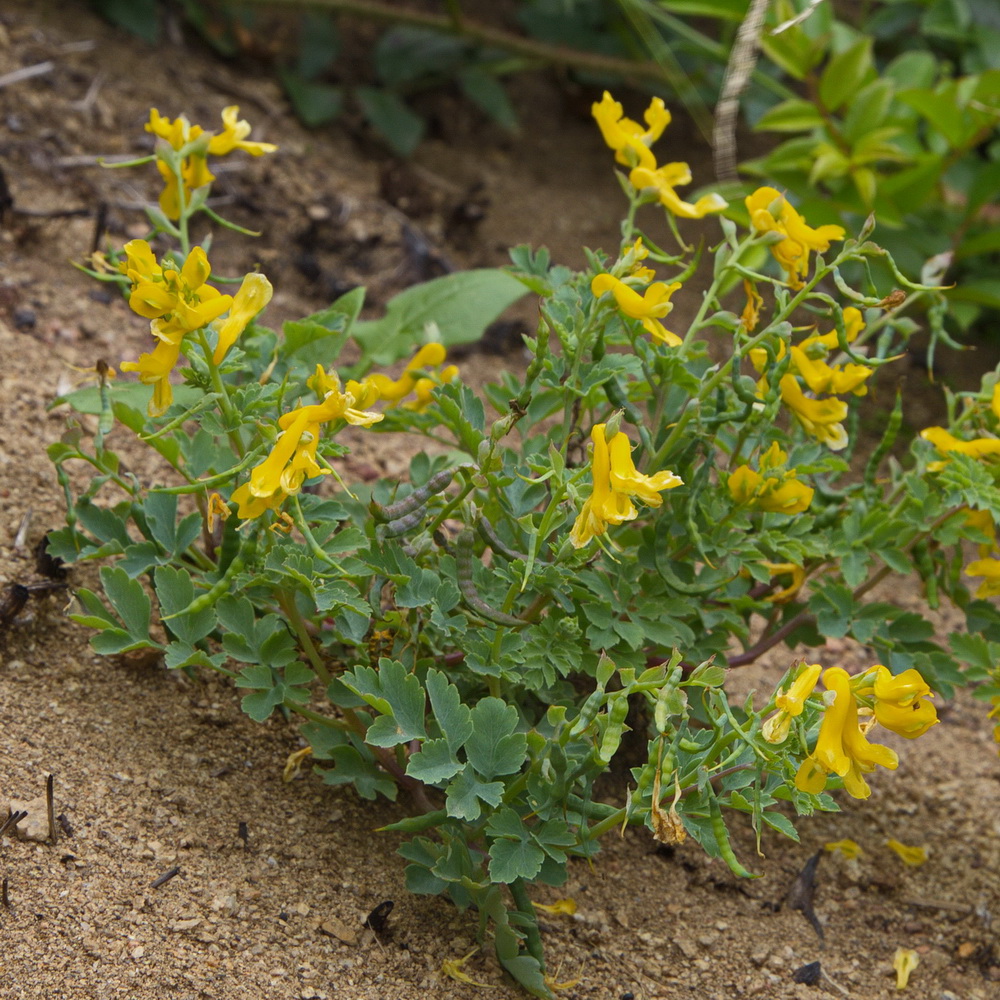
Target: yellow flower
column 615, row 482
column 913, row 856
column 664, row 179
column 233, row 136
column 750, row 316
column 423, row 391
column 902, row 702
column 790, row 703
column 154, row 369
column 254, row 294
column 820, row 418
column 194, row 174
column 797, row 573
column 292, row 459
column 770, row 212
column 178, row 133
column 176, row 302
column 194, row 167
column 650, row 307
column 994, row 713
column 849, row 848
column 627, row 138
column 429, row 356
column 821, row 377
column 990, row 569
column 336, row 405
column 250, row 506
column 781, row 493
column 946, row 443
column 841, row 747
column 904, row 962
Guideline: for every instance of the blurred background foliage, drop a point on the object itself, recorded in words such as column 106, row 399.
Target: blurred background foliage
column 885, row 106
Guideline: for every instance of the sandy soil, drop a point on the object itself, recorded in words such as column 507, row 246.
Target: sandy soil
column 154, row 771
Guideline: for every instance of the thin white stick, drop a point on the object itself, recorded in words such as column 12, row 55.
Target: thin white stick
column 39, row 69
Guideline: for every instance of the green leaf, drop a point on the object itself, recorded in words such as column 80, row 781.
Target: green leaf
column 319, row 338
column 781, row 823
column 513, row 853
column 433, row 762
column 351, row 768
column 175, row 592
column 397, row 695
column 139, row 17
column 401, row 128
column 725, row 10
column 453, row 718
column 494, row 747
column 845, row 74
column 460, row 306
column 314, row 104
column 916, row 68
column 487, row 93
column 319, row 43
column 466, row 792
column 129, row 599
column 793, row 115
column 868, row 109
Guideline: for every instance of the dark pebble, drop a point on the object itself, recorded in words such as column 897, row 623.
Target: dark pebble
column 24, row 318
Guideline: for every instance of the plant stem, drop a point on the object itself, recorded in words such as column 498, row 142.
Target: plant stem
column 532, row 937
column 486, row 35
column 287, row 604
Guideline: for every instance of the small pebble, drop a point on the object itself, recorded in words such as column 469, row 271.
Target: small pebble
column 24, row 318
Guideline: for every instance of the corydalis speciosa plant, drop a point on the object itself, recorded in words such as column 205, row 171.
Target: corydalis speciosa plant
column 589, row 544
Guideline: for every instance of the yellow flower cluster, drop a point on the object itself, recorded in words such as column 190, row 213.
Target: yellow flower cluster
column 649, row 307
column 774, row 488
column 900, row 703
column 770, row 212
column 615, row 482
column 197, row 145
column 985, row 448
column 293, row 459
column 631, row 143
column 178, row 302
column 821, row 419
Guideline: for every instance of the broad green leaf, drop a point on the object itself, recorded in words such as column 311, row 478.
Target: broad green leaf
column 793, row 115
column 395, row 693
column 485, row 91
column 129, row 599
column 319, row 338
column 433, row 762
column 314, row 104
column 513, row 853
column 350, row 768
column 868, row 109
column 175, row 592
column 845, row 74
column 465, row 793
column 453, row 718
column 460, row 306
column 494, row 747
column 400, row 126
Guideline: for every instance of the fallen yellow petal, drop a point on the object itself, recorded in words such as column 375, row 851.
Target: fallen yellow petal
column 908, row 855
column 452, row 967
column 565, row 907
column 904, row 962
column 294, row 763
column 849, row 848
